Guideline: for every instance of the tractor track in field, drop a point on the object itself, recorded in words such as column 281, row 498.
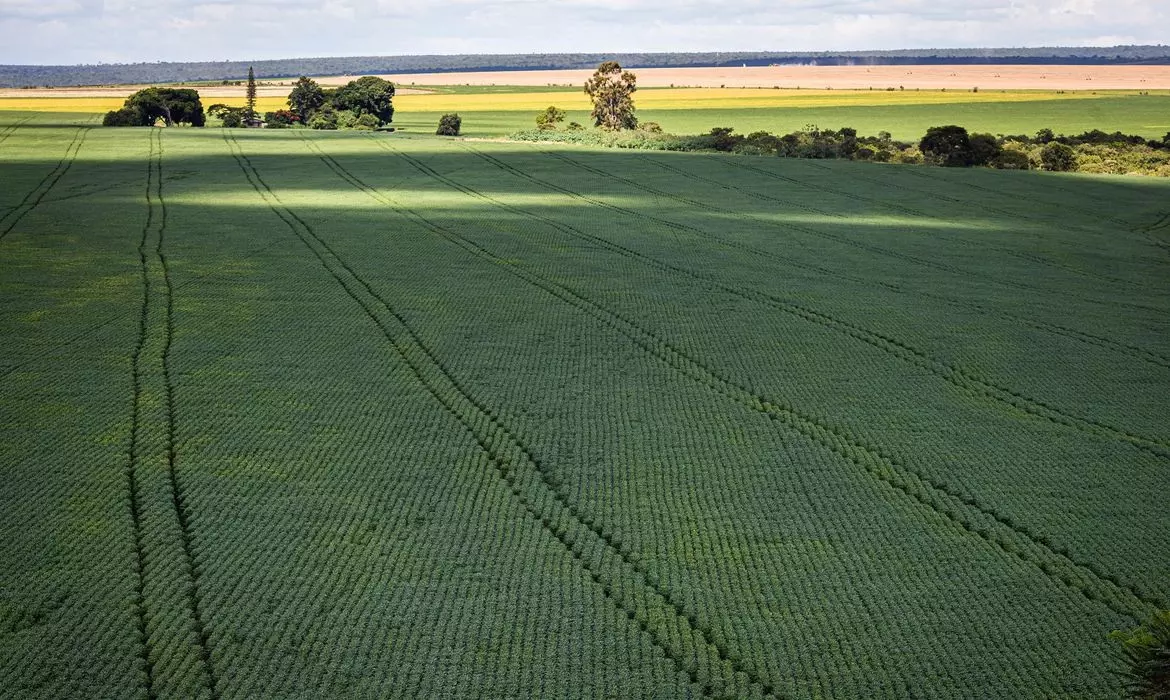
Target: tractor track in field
column 12, row 128
column 1055, row 329
column 132, row 475
column 156, row 281
column 1148, row 231
column 947, row 371
column 1054, row 561
column 178, row 496
column 1028, row 257
column 585, row 540
column 754, row 401
column 37, row 194
column 922, row 262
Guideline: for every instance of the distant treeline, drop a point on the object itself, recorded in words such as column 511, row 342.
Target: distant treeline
column 154, row 73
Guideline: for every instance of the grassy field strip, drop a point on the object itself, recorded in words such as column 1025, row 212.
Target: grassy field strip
column 1030, row 258
column 1082, row 336
column 36, row 195
column 1147, row 594
column 50, row 352
column 909, row 483
column 876, row 201
column 1031, row 201
column 715, row 669
column 949, row 372
column 473, row 246
column 946, row 267
column 723, row 98
column 950, row 202
column 307, row 414
column 846, row 240
column 176, row 651
column 9, row 129
column 1149, row 231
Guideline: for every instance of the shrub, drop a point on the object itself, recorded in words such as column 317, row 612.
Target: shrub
column 346, row 119
column 1058, row 157
column 949, row 146
column 229, row 117
column 984, row 148
column 324, row 119
column 123, row 117
column 366, row 122
column 575, row 126
column 449, row 125
column 549, row 118
column 721, row 139
column 281, row 118
column 910, row 156
column 652, row 127
column 1011, row 159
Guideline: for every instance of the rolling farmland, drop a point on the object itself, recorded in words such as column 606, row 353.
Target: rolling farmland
column 310, row 414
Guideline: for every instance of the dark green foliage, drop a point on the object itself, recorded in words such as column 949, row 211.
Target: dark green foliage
column 230, row 117
column 123, row 117
column 1146, row 650
column 1011, row 159
column 171, row 105
column 306, row 98
column 949, row 146
column 324, row 119
column 1058, row 157
column 366, row 95
column 305, row 415
column 984, row 149
column 550, row 117
column 250, row 117
column 611, row 89
column 366, row 122
column 281, row 119
column 721, row 139
column 449, row 125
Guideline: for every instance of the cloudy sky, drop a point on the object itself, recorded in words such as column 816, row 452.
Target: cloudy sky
column 93, row 31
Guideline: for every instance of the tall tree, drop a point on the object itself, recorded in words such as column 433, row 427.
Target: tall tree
column 306, row 98
column 250, row 105
column 612, row 90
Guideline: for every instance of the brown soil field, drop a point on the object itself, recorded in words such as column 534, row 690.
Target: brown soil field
column 1004, row 77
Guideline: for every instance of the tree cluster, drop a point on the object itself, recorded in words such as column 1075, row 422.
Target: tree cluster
column 146, row 107
column 364, row 103
column 1092, row 151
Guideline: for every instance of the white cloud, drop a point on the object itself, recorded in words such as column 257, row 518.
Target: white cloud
column 82, row 31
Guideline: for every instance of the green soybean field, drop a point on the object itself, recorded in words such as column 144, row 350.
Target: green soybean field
column 292, row 414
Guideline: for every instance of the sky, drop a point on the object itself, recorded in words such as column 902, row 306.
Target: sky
column 120, row 31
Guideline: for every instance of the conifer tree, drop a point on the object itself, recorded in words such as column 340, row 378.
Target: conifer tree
column 250, row 106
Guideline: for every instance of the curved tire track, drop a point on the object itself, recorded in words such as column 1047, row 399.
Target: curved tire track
column 960, row 508
column 717, row 672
